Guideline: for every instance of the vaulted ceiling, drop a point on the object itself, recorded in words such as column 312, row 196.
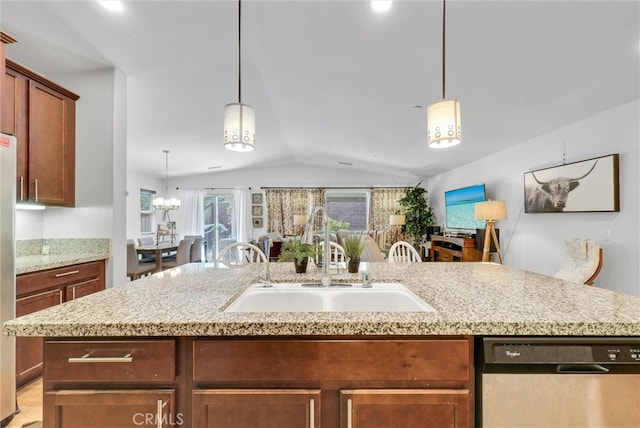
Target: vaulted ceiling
column 333, row 81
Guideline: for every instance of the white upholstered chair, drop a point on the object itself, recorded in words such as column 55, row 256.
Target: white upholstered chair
column 371, row 252
column 583, row 261
column 239, row 254
column 403, row 252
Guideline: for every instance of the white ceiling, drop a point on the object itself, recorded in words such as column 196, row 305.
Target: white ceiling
column 333, row 81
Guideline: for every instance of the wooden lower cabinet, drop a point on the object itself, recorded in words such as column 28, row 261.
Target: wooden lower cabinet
column 40, row 290
column 29, row 349
column 248, row 408
column 111, row 409
column 266, row 382
column 370, row 408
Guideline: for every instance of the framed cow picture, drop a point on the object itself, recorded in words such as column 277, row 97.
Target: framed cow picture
column 590, row 185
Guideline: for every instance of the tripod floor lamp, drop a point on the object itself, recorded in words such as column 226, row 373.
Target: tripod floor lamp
column 490, row 211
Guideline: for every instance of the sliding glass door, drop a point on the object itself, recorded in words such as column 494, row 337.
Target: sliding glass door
column 220, row 224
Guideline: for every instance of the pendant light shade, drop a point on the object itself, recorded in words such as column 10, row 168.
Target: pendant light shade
column 239, row 118
column 443, row 121
column 239, row 127
column 443, row 117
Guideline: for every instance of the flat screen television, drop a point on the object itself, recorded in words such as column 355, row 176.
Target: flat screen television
column 459, row 204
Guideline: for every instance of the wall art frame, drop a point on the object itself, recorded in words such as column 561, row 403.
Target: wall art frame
column 257, row 222
column 591, row 185
column 256, row 210
column 256, row 198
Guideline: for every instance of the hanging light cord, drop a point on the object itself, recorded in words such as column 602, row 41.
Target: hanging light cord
column 239, row 51
column 444, row 12
column 166, row 173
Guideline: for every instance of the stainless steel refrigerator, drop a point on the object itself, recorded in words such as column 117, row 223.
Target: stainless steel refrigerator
column 7, row 275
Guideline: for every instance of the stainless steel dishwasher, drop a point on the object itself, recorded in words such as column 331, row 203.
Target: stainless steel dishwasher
column 558, row 382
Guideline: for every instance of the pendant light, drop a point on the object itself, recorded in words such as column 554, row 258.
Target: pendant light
column 443, row 117
column 165, row 203
column 239, row 119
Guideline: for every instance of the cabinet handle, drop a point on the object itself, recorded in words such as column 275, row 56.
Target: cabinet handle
column 72, row 272
column 87, row 358
column 36, row 187
column 159, row 414
column 21, row 188
column 349, row 409
column 60, row 296
column 73, row 293
column 312, row 413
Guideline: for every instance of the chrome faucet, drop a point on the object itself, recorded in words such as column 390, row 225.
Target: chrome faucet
column 307, row 238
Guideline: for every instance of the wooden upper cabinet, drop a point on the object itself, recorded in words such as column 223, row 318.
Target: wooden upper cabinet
column 42, row 116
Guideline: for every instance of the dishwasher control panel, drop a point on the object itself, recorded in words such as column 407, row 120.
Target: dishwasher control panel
column 509, row 350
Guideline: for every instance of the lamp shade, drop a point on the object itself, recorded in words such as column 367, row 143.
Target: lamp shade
column 239, row 127
column 299, row 219
column 397, row 220
column 443, row 123
column 490, row 210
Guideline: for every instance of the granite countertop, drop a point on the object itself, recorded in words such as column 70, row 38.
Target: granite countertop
column 469, row 298
column 63, row 252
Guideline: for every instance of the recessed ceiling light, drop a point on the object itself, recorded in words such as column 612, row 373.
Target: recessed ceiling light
column 112, row 5
column 381, row 6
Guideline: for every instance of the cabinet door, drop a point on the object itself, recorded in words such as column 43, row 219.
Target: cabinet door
column 243, row 408
column 51, row 146
column 110, row 408
column 414, row 408
column 29, row 350
column 15, row 110
column 85, row 288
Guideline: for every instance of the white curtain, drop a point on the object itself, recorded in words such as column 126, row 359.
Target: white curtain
column 192, row 212
column 242, row 207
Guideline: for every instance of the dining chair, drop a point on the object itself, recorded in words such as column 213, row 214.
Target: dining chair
column 181, row 257
column 371, row 252
column 403, row 252
column 136, row 268
column 196, row 250
column 239, row 254
column 336, row 253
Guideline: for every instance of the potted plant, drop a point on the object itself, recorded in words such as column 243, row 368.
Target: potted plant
column 353, row 247
column 418, row 214
column 298, row 252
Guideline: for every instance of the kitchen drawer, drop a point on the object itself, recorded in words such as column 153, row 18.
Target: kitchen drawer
column 113, row 361
column 382, row 360
column 34, row 282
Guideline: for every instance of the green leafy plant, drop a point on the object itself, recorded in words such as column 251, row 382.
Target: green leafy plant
column 295, row 250
column 419, row 215
column 353, row 246
column 337, row 225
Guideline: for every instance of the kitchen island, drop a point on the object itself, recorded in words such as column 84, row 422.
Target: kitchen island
column 186, row 359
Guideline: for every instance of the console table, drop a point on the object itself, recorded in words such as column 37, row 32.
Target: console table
column 454, row 249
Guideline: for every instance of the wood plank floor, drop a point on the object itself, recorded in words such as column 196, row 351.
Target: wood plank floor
column 30, row 404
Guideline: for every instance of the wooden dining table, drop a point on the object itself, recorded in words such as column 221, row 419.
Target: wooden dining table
column 158, row 250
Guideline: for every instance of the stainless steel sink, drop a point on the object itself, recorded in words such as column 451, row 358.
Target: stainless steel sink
column 381, row 297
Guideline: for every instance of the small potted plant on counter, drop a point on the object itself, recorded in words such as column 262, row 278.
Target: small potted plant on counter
column 353, row 247
column 298, row 252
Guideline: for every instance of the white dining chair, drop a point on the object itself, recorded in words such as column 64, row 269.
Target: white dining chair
column 239, row 254
column 336, row 252
column 403, row 252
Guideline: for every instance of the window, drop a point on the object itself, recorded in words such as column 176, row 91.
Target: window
column 146, row 210
column 348, row 209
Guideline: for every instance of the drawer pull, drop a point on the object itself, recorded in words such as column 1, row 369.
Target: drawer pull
column 87, row 358
column 159, row 416
column 349, row 410
column 36, row 186
column 21, row 189
column 312, row 413
column 72, row 272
